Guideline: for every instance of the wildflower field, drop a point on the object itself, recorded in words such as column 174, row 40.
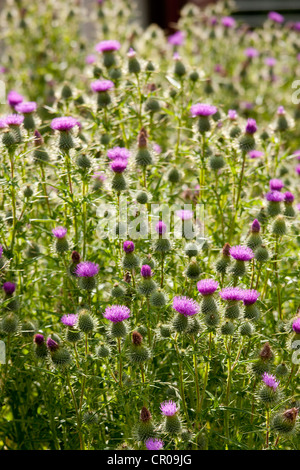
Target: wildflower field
column 149, row 224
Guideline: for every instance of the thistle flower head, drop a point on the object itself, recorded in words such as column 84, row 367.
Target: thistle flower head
column 280, row 111
column 14, row 98
column 176, row 39
column 274, row 196
column 184, row 214
column 154, row 444
column 90, row 59
column 255, row 154
column 296, row 325
column 251, row 52
column 26, row 107
column 270, row 61
column 276, row 17
column 117, row 313
column 185, row 306
column 128, row 246
column 70, row 319
column 228, row 21
column 160, row 227
column 255, row 227
column 108, row 45
column 118, row 152
column 250, row 296
column 270, row 380
column 87, row 269
column 99, row 86
column 241, row 253
column 59, row 232
column 202, row 109
column 9, row 287
column 146, row 271
column 231, row 294
column 3, row 124
column 118, row 165
column 14, row 120
column 99, row 176
column 232, row 114
column 289, row 197
column 52, row 345
column 168, row 408
column 64, row 123
column 251, row 126
column 39, row 339
column 276, row 184
column 207, row 286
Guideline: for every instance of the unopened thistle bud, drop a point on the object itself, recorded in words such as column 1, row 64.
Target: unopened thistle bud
column 86, row 322
column 282, row 370
column 117, row 291
column 193, row 270
column 282, row 123
column 173, row 175
column 227, row 329
column 158, row 299
column 279, row 227
column 9, row 323
column 261, row 254
column 246, row 329
column 60, row 356
column 103, row 351
column 216, row 162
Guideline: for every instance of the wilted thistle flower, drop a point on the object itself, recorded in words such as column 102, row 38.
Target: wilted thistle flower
column 60, row 356
column 232, row 296
column 247, row 141
column 269, row 392
column 172, row 423
column 279, row 227
column 249, row 298
column 143, row 158
column 87, row 271
column 254, row 240
column 145, row 428
column 154, row 444
column 101, row 87
column 285, row 423
column 263, row 361
column 241, row 254
column 203, row 112
column 138, row 353
column 117, row 314
column 27, row 108
column 64, row 126
column 274, row 199
column 223, row 262
column 288, row 205
column 185, row 307
column 75, row 260
column 61, row 244
column 40, row 155
column 107, row 48
column 40, row 349
column 130, row 261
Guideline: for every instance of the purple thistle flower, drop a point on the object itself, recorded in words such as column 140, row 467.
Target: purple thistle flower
column 99, row 176
column 270, row 61
column 146, row 271
column 154, row 444
column 117, row 313
column 296, row 325
column 184, row 214
column 64, row 123
column 251, row 126
column 14, row 120
column 185, row 306
column 87, row 269
column 157, row 148
column 108, row 46
column 69, row 320
column 250, row 296
column 232, row 114
column 26, row 107
column 14, row 98
column 202, row 109
column 270, row 380
column 39, row 339
column 118, row 165
column 255, row 227
column 160, row 227
column 9, row 287
column 297, row 169
column 251, row 52
column 298, row 207
column 297, row 154
column 231, row 294
column 168, row 408
column 176, row 39
column 289, row 197
column 241, row 253
column 131, row 53
column 99, row 86
column 207, row 286
column 228, row 21
column 274, row 196
column 281, row 111
column 276, row 184
column 52, row 345
column 118, row 152
column 90, row 59
column 128, row 246
column 1, row 251
column 59, row 232
column 276, row 17
column 255, row 154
